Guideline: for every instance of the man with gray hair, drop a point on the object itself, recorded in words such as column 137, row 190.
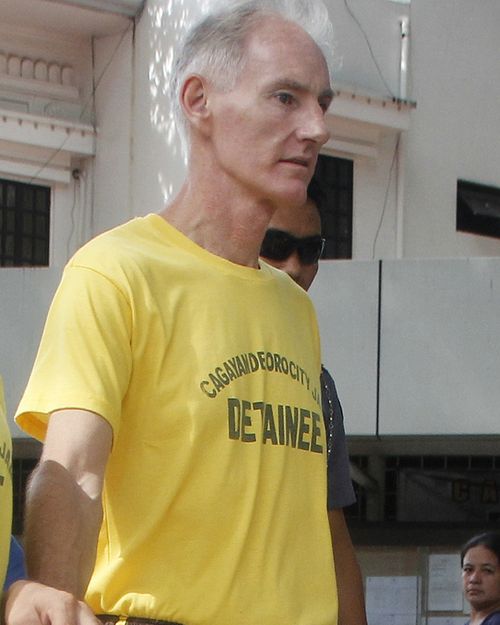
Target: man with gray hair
column 182, row 479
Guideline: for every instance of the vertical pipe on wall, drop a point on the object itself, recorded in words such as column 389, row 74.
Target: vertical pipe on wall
column 400, row 178
column 404, row 24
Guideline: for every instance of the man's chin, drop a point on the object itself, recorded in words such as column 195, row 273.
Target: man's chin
column 291, row 197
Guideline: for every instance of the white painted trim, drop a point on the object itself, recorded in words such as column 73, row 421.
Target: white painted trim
column 37, row 34
column 34, row 172
column 357, row 121
column 353, row 148
column 34, row 130
column 364, row 108
column 39, row 88
column 129, row 8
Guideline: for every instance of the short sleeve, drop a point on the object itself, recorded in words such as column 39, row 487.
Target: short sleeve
column 84, row 358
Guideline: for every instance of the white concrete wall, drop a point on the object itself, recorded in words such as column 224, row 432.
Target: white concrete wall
column 114, row 76
column 375, row 203
column 367, row 47
column 139, row 164
column 345, row 294
column 158, row 167
column 437, row 345
column 455, row 64
column 22, row 313
column 438, row 351
column 378, row 22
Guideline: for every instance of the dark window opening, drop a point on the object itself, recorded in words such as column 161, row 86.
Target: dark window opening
column 333, row 181
column 357, row 511
column 24, row 224
column 451, row 490
column 478, row 209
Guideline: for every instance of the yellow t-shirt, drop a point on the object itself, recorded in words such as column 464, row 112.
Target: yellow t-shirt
column 208, row 372
column 5, row 488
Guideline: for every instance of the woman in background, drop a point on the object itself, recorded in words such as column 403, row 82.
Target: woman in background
column 480, row 560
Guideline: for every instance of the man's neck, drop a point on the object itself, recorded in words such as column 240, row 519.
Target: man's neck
column 226, row 224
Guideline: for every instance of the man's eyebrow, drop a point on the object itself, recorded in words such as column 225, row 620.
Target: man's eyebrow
column 327, row 94
column 295, row 85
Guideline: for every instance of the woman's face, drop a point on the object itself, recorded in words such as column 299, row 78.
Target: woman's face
column 481, row 578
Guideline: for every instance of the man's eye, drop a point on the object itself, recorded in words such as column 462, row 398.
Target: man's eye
column 285, row 98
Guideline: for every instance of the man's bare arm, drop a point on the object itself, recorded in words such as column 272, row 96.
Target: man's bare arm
column 349, row 578
column 63, row 507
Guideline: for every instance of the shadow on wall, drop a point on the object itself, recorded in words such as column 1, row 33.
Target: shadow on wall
column 169, row 20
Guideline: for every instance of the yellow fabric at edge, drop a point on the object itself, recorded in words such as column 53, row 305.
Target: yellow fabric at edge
column 5, row 487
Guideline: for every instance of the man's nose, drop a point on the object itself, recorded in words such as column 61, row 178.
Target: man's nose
column 293, row 266
column 314, row 126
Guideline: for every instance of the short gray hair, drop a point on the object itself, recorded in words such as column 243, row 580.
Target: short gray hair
column 215, row 46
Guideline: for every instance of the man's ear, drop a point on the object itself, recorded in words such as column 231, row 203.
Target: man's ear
column 194, row 99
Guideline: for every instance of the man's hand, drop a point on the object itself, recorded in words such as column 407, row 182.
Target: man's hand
column 30, row 603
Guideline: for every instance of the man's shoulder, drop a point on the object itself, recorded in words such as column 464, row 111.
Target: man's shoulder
column 327, row 378
column 135, row 227
column 115, row 246
column 330, row 398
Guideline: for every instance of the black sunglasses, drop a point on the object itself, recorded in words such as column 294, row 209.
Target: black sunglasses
column 279, row 245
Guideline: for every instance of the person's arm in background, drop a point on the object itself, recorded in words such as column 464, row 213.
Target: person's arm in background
column 340, row 495
column 349, row 579
column 63, row 518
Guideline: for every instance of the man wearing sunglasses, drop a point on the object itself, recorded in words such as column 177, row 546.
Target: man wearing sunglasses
column 293, row 243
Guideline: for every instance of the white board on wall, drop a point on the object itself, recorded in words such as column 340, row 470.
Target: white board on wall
column 392, row 600
column 440, row 333
column 25, row 299
column 444, row 592
column 345, row 295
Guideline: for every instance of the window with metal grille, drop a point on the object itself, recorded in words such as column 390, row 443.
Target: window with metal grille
column 357, row 511
column 451, row 489
column 24, row 224
column 333, row 182
column 446, row 489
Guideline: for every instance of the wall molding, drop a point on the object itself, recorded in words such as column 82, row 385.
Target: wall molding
column 358, row 120
column 38, row 77
column 40, row 147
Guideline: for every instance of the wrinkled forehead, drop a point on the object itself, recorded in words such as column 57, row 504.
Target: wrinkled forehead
column 281, row 38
